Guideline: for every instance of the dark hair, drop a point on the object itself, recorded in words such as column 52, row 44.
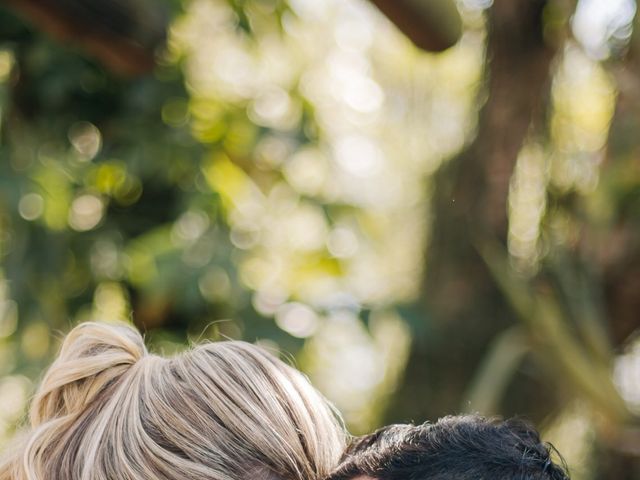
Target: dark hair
column 466, row 447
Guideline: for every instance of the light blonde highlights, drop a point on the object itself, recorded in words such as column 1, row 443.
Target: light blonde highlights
column 107, row 410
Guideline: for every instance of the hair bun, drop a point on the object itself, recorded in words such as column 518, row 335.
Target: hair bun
column 93, row 356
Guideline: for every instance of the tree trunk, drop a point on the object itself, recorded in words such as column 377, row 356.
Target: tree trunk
column 463, row 306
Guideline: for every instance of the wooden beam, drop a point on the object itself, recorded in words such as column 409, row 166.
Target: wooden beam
column 432, row 25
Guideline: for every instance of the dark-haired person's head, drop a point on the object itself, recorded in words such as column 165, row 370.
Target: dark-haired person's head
column 466, row 447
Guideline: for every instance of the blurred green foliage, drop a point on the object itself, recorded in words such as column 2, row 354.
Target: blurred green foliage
column 201, row 201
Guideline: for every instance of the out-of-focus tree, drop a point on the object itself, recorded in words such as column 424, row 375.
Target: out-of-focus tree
column 530, row 272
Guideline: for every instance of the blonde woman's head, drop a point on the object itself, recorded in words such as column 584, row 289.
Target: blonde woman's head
column 108, row 410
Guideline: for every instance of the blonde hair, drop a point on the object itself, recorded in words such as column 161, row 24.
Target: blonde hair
column 107, row 410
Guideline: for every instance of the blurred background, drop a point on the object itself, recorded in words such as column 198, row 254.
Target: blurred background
column 430, row 207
